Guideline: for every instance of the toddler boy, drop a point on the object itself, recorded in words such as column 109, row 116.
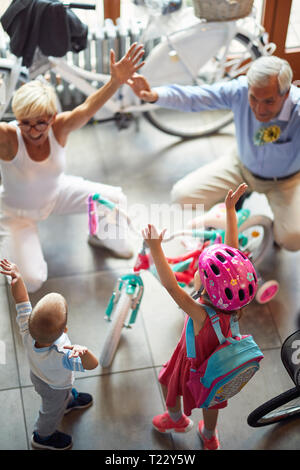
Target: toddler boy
column 52, row 360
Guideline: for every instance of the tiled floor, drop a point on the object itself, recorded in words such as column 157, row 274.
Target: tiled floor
column 145, row 164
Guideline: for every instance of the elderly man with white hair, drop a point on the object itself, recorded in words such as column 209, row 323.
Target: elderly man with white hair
column 266, row 109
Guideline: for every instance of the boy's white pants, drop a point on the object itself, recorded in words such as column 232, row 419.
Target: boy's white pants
column 19, row 228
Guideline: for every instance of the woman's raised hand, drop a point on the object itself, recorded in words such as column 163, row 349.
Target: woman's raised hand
column 124, row 69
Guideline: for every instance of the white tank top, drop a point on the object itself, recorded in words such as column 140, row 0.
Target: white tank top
column 30, row 185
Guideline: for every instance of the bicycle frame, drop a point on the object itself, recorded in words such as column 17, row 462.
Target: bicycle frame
column 173, row 58
column 181, row 61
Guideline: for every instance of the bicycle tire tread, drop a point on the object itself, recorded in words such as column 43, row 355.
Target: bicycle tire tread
column 271, row 405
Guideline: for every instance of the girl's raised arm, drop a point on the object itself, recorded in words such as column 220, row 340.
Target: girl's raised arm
column 154, row 239
column 231, row 231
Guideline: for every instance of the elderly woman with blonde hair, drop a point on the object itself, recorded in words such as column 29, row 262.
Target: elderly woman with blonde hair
column 32, row 164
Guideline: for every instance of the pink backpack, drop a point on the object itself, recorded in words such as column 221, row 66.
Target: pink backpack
column 227, row 369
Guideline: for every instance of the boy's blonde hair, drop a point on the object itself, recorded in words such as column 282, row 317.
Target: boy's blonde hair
column 48, row 319
column 34, row 99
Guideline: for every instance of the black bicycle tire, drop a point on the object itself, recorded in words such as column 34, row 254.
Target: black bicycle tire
column 267, row 224
column 114, row 333
column 151, row 115
column 256, row 415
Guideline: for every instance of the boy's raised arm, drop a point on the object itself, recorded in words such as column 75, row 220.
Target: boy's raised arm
column 18, row 287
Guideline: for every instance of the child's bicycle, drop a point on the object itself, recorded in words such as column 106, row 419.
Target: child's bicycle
column 254, row 238
column 287, row 404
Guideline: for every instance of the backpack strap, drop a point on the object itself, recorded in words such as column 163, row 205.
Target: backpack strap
column 190, row 339
column 234, row 326
column 190, row 336
column 215, row 321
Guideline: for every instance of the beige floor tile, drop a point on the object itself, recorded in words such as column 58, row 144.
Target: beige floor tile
column 120, row 417
column 271, row 380
column 12, row 423
column 8, row 365
column 126, row 396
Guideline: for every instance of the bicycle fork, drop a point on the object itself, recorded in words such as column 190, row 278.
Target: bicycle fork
column 134, row 286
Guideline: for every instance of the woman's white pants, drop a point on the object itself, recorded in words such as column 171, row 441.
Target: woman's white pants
column 19, row 230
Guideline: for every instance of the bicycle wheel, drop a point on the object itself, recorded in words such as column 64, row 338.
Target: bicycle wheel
column 284, row 406
column 257, row 237
column 267, row 291
column 192, row 125
column 112, row 340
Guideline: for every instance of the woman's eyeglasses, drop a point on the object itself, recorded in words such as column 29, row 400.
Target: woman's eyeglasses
column 40, row 126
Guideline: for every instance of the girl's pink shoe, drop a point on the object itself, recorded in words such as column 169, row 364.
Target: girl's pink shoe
column 208, row 444
column 163, row 423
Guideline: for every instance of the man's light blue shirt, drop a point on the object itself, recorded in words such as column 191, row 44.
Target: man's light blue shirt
column 270, row 160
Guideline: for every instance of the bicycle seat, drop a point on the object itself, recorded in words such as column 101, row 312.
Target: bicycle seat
column 290, row 356
column 171, row 5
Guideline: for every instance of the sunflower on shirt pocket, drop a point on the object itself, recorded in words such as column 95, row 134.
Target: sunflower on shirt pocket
column 266, row 135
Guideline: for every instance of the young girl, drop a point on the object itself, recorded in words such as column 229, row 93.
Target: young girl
column 227, row 290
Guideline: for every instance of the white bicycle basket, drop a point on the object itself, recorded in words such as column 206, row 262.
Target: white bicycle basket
column 222, row 10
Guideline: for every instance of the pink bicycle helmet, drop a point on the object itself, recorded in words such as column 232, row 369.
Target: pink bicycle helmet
column 228, row 277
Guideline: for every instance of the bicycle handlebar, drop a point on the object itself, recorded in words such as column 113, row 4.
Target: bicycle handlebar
column 212, row 235
column 105, row 202
column 82, row 6
column 206, row 234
